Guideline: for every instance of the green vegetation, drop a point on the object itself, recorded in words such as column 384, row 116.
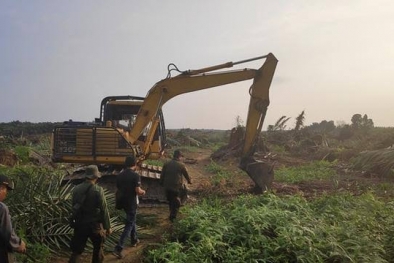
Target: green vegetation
column 344, row 226
column 19, row 129
column 220, row 174
column 154, row 162
column 40, row 206
column 22, row 152
column 269, row 228
column 317, row 170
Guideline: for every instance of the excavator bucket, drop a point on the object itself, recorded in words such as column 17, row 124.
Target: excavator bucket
column 260, row 172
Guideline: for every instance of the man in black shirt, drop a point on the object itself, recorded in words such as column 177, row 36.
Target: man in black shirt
column 128, row 184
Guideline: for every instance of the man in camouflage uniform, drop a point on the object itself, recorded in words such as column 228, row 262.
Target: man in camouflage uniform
column 93, row 222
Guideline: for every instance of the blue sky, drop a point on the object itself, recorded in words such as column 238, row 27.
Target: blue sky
column 58, row 59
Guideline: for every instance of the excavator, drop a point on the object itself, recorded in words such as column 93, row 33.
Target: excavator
column 130, row 125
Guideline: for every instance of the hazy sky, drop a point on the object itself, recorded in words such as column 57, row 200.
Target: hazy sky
column 58, row 59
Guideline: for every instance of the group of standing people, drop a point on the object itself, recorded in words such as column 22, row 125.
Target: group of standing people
column 93, row 221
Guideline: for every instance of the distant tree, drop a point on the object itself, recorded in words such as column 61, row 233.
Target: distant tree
column 361, row 122
column 356, row 121
column 270, row 127
column 239, row 122
column 322, row 127
column 19, row 129
column 367, row 123
column 314, row 126
column 280, row 124
column 300, row 121
column 341, row 124
column 327, row 125
column 345, row 132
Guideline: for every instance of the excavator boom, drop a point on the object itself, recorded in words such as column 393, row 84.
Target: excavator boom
column 195, row 80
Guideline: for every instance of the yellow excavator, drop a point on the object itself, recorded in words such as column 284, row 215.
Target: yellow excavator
column 131, row 125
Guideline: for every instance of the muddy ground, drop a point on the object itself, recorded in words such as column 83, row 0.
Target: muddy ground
column 202, row 186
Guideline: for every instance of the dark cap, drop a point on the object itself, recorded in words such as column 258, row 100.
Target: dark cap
column 129, row 161
column 177, row 154
column 4, row 180
column 92, row 172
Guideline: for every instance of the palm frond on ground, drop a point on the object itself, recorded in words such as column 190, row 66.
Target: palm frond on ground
column 41, row 204
column 380, row 162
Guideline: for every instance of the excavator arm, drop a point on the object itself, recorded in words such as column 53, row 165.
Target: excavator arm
column 195, row 80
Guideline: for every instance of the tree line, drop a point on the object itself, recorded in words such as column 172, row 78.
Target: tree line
column 19, row 129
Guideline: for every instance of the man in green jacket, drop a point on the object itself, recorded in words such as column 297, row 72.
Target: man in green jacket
column 93, row 222
column 171, row 179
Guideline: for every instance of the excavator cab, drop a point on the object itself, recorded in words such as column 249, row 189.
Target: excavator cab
column 106, row 139
column 120, row 113
column 105, row 143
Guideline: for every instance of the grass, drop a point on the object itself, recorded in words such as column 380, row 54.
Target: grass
column 220, row 175
column 23, row 153
column 317, row 170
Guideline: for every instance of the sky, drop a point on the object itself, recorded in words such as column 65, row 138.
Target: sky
column 59, row 59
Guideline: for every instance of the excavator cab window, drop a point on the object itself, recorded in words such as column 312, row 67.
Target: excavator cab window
column 126, row 122
column 120, row 112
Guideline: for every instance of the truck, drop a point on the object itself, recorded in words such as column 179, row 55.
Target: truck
column 131, row 125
